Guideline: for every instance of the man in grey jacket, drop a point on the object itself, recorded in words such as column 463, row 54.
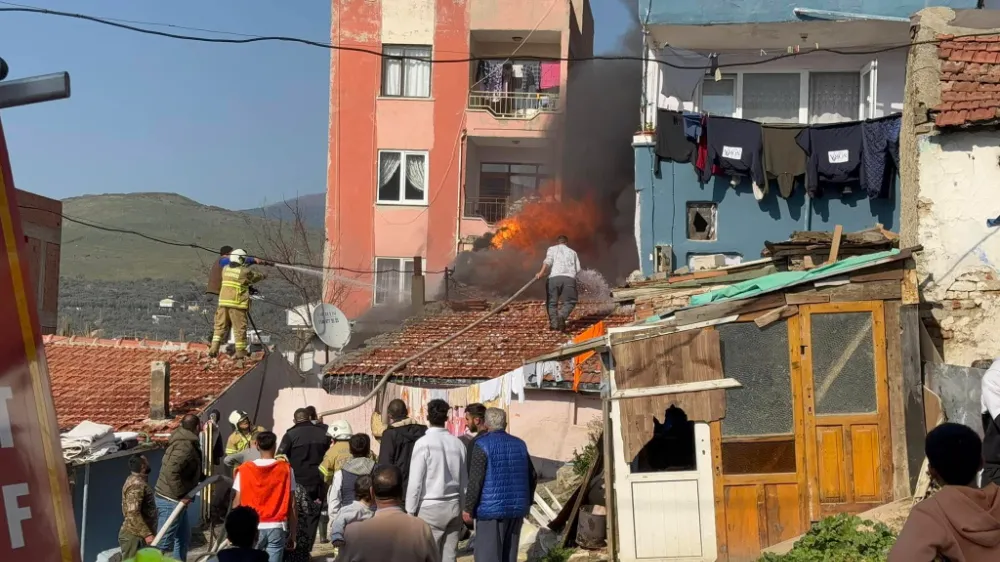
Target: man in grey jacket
column 179, row 474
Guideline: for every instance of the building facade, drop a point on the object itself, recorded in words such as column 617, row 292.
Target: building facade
column 773, row 63
column 41, row 219
column 423, row 152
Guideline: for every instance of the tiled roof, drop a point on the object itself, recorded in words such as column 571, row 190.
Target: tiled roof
column 107, row 381
column 970, row 80
column 496, row 346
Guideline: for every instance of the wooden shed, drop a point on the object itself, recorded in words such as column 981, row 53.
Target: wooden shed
column 764, row 406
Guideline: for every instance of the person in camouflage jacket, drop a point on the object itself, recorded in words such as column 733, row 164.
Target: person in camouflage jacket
column 138, row 508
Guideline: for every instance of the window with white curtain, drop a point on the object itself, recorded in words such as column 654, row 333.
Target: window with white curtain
column 402, row 177
column 785, row 97
column 393, row 280
column 834, row 97
column 406, row 71
column 771, row 98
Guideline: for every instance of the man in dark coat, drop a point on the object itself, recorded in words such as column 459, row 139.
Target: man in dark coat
column 398, row 439
column 305, row 445
column 180, row 473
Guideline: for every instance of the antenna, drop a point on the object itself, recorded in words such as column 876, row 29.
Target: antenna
column 331, row 326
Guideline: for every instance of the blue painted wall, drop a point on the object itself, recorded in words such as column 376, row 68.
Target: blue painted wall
column 704, row 12
column 743, row 223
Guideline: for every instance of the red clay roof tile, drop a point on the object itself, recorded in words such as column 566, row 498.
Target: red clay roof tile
column 496, row 346
column 970, row 72
column 107, row 381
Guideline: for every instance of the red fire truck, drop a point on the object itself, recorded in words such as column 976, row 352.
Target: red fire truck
column 36, row 510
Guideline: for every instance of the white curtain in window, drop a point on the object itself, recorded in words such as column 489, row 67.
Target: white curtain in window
column 417, row 82
column 386, row 280
column 834, row 97
column 771, row 98
column 416, row 172
column 388, row 165
column 392, row 72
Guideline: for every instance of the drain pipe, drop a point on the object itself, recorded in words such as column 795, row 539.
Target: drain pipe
column 83, row 518
column 461, row 183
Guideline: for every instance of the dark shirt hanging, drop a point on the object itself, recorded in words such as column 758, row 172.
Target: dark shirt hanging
column 784, row 160
column 701, row 161
column 880, row 159
column 735, row 145
column 671, row 142
column 692, row 126
column 834, row 156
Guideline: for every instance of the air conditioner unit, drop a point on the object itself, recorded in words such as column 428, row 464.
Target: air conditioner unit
column 663, row 258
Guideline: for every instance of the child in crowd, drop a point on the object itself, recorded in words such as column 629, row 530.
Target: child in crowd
column 960, row 522
column 362, row 509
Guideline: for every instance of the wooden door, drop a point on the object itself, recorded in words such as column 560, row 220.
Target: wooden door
column 846, row 399
column 761, row 476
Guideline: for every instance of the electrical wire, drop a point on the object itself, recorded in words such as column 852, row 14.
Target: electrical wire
column 403, row 362
column 196, row 246
column 248, row 39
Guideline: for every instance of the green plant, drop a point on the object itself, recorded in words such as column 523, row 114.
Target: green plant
column 557, row 554
column 841, row 538
column 583, row 458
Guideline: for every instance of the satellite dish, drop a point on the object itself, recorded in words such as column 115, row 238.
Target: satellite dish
column 331, row 326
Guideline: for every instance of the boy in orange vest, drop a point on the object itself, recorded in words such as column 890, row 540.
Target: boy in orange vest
column 267, row 485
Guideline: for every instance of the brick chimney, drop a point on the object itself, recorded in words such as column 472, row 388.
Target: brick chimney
column 418, row 287
column 159, row 390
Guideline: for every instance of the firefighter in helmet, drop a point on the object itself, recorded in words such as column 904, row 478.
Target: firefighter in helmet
column 234, row 302
column 243, row 432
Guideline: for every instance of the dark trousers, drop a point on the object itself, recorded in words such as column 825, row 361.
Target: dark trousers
column 991, row 473
column 129, row 544
column 497, row 540
column 563, row 289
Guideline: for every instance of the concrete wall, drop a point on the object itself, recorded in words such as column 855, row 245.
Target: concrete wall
column 950, row 180
column 104, row 501
column 552, row 423
column 357, row 229
column 759, row 11
column 744, row 223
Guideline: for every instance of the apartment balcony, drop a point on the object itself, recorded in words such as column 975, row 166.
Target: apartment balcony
column 514, row 105
column 715, row 12
column 490, row 209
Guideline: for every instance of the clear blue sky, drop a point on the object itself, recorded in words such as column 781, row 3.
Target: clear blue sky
column 227, row 125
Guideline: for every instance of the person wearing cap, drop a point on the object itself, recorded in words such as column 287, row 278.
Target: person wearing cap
column 243, row 432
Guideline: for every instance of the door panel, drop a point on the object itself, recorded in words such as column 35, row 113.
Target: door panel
column 847, row 405
column 743, row 522
column 667, row 519
column 782, row 504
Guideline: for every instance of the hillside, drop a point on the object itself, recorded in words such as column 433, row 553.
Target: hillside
column 94, row 254
column 312, row 209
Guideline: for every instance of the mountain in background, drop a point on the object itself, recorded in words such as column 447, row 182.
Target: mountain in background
column 95, row 254
column 312, row 209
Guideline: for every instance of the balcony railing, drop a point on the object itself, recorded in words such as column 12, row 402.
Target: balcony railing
column 490, row 209
column 514, row 105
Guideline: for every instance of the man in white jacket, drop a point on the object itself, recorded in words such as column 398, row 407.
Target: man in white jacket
column 437, row 480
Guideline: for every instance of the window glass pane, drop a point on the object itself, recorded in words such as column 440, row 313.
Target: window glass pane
column 494, row 167
column 386, row 280
column 719, row 98
column 406, row 278
column 771, row 98
column 834, row 96
column 390, row 175
column 393, row 51
column 759, row 360
column 417, row 78
column 416, row 176
column 866, row 92
column 843, row 358
column 524, row 168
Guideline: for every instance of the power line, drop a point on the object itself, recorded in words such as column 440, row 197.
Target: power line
column 158, row 240
column 245, row 38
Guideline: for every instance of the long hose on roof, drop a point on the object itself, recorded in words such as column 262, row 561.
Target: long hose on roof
column 402, row 363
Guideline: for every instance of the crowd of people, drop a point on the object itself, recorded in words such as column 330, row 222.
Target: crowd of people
column 415, row 501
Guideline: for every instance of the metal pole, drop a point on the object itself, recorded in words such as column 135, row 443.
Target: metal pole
column 83, row 518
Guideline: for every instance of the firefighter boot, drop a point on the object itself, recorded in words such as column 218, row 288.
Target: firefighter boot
column 213, row 351
column 240, row 354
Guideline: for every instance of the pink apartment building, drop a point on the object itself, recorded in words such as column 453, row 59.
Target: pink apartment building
column 425, row 154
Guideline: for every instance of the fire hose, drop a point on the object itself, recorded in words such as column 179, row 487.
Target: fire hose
column 403, row 362
column 182, row 505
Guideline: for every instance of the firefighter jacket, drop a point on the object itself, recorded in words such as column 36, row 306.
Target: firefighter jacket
column 240, row 441
column 236, row 281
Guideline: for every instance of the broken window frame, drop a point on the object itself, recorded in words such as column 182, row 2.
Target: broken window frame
column 711, row 229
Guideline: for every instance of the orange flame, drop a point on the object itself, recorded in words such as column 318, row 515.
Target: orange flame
column 540, row 222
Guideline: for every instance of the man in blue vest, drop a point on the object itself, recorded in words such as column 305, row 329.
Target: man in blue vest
column 501, row 488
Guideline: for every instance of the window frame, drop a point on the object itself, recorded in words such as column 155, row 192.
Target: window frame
column 537, row 174
column 738, row 77
column 400, row 267
column 402, row 70
column 402, row 178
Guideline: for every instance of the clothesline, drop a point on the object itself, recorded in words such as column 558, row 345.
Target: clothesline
column 861, row 153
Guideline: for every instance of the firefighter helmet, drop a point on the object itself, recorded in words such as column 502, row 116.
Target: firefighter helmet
column 340, row 430
column 237, row 257
column 237, row 416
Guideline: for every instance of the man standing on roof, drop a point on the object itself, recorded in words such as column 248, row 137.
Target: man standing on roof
column 234, row 301
column 243, row 432
column 561, row 265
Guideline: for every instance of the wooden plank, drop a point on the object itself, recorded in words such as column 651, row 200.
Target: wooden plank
column 810, row 438
column 799, row 410
column 609, row 470
column 808, row 297
column 866, row 463
column 897, row 417
column 916, row 428
column 838, row 232
column 910, row 286
column 831, row 469
column 709, row 274
column 753, row 479
column 807, row 263
column 718, row 488
column 782, row 512
column 894, row 274
column 679, row 388
column 742, row 522
column 885, row 436
column 773, row 316
column 578, row 502
column 728, row 308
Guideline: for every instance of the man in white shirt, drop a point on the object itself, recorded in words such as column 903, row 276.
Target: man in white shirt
column 437, row 480
column 990, row 408
column 561, row 264
column 267, row 485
